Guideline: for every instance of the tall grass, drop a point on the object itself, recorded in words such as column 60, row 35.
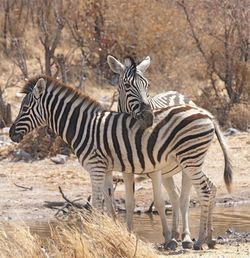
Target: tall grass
column 94, row 235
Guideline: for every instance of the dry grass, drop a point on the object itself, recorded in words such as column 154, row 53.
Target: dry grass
column 239, row 116
column 89, row 236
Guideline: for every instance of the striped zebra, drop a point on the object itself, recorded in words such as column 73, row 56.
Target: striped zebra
column 109, row 141
column 133, row 97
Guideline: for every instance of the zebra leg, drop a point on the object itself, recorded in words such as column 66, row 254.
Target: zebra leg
column 173, row 193
column 97, row 180
column 130, row 199
column 187, row 242
column 210, row 241
column 109, row 194
column 201, row 183
column 160, row 204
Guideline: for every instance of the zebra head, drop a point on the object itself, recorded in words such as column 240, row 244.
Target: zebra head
column 133, row 89
column 30, row 115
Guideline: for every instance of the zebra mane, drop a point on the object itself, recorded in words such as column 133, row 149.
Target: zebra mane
column 130, row 65
column 30, row 84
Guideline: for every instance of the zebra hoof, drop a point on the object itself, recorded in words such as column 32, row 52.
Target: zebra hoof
column 187, row 245
column 211, row 244
column 197, row 246
column 171, row 245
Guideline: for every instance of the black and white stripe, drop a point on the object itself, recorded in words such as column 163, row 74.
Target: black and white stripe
column 132, row 83
column 105, row 141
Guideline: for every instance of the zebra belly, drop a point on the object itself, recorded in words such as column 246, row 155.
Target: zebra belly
column 168, row 166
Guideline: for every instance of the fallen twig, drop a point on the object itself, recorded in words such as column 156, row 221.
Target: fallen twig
column 24, row 187
column 67, row 206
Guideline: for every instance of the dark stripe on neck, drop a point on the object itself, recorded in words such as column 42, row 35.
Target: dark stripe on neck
column 115, row 140
column 105, row 138
column 65, row 114
column 81, row 130
column 71, row 130
column 92, row 137
column 138, row 139
column 127, row 142
column 98, row 134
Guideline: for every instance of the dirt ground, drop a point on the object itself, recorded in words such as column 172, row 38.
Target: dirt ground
column 44, row 177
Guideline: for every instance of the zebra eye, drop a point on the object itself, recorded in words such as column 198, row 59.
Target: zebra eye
column 25, row 108
column 127, row 85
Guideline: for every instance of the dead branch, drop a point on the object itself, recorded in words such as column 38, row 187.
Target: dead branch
column 49, row 43
column 40, row 63
column 83, row 72
column 24, row 187
column 20, row 59
column 68, row 206
column 195, row 37
column 61, row 60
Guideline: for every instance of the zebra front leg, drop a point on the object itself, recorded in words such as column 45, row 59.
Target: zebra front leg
column 97, row 180
column 109, row 194
column 160, row 205
column 174, row 196
column 130, row 199
column 187, row 242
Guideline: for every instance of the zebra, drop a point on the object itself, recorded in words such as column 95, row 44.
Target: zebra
column 133, row 96
column 107, row 141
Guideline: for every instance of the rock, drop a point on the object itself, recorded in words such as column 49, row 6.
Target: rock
column 19, row 95
column 230, row 231
column 231, row 131
column 22, row 155
column 59, row 159
column 5, row 130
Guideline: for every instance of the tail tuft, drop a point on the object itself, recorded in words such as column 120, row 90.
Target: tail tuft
column 228, row 171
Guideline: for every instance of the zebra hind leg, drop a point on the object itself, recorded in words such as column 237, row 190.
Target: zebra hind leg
column 203, row 188
column 187, row 242
column 210, row 241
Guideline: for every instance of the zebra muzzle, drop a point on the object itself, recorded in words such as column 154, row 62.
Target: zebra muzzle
column 15, row 137
column 146, row 119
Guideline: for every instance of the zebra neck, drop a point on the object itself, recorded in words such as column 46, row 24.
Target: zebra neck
column 69, row 115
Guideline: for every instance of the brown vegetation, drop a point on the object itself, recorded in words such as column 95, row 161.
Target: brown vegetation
column 200, row 48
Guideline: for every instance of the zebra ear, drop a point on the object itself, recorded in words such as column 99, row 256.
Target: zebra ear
column 144, row 64
column 39, row 87
column 115, row 65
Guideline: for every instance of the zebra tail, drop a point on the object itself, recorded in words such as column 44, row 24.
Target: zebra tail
column 228, row 170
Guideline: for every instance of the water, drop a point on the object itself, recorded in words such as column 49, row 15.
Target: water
column 148, row 228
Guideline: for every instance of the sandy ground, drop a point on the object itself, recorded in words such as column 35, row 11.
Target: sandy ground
column 44, row 177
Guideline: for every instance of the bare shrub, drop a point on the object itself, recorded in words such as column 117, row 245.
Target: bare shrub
column 239, row 116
